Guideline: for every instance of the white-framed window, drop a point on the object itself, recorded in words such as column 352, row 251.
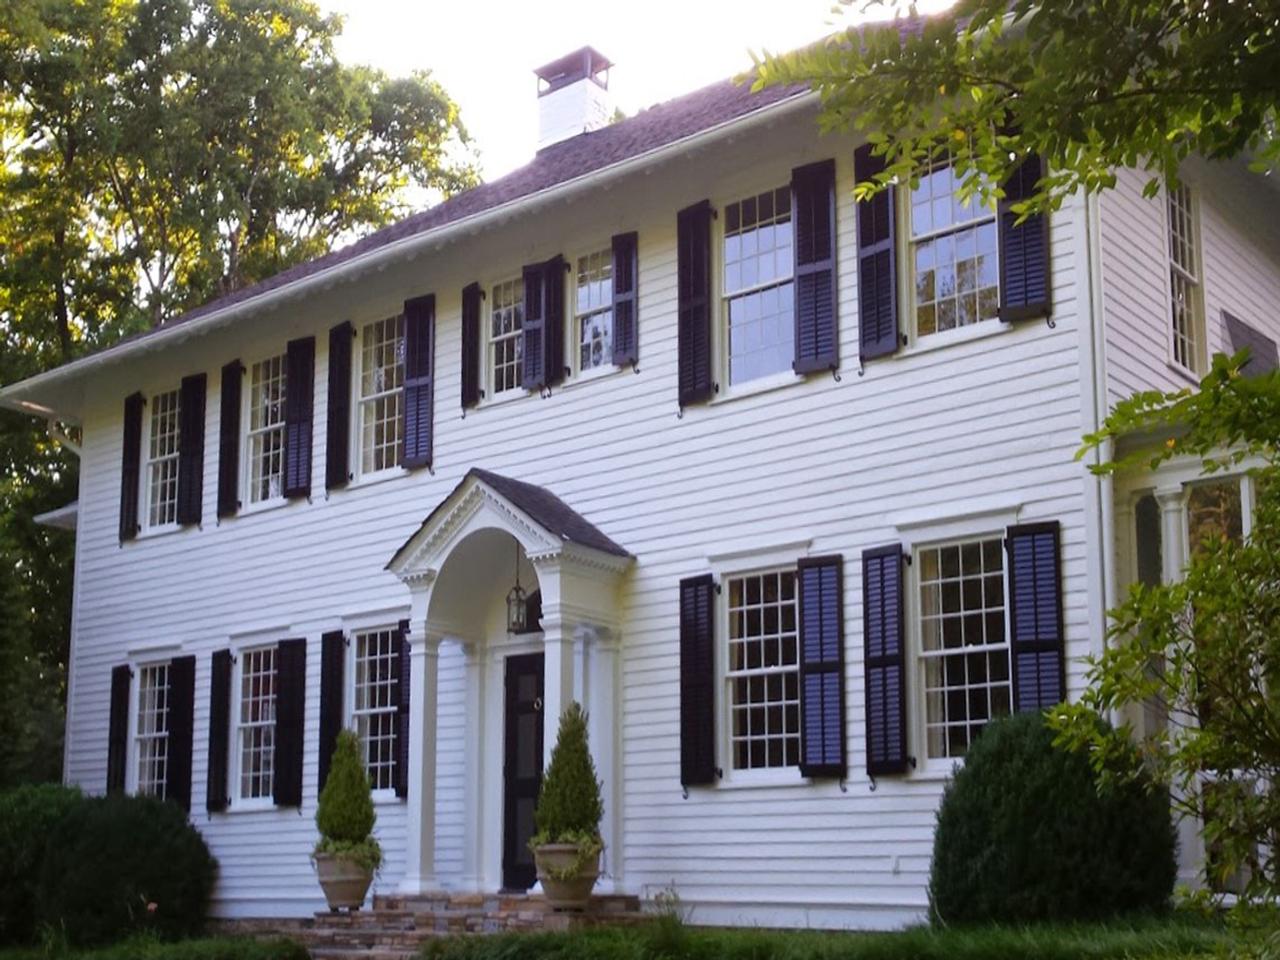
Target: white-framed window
column 593, row 310
column 506, row 336
column 379, row 395
column 952, row 255
column 1186, row 304
column 255, row 740
column 151, row 730
column 264, row 440
column 756, row 286
column 373, row 711
column 161, row 473
column 762, row 669
column 961, row 640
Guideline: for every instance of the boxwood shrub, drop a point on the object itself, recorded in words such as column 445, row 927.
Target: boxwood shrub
column 29, row 817
column 1024, row 835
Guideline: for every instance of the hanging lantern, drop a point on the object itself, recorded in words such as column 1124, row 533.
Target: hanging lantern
column 517, row 603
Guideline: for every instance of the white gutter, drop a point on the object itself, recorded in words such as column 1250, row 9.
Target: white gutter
column 382, row 256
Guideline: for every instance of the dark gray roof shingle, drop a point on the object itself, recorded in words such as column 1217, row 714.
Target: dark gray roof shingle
column 548, row 511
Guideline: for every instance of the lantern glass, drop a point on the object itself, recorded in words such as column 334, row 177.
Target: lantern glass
column 517, row 609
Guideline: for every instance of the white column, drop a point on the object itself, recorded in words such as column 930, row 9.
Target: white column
column 476, row 660
column 424, row 675
column 601, row 697
column 558, row 680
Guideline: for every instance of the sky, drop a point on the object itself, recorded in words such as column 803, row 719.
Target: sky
column 484, row 52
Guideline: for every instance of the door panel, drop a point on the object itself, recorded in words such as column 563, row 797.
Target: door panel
column 522, row 767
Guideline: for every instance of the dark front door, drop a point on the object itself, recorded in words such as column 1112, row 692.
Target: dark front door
column 522, row 768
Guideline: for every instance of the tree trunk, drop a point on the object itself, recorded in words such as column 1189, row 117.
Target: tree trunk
column 60, row 310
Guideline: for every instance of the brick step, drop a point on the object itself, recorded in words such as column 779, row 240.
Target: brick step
column 360, row 953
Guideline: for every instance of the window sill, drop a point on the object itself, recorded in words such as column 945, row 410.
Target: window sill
column 262, row 805
column 262, row 506
column 151, row 533
column 934, row 772
column 587, row 376
column 1192, row 378
column 371, row 479
column 940, row 341
column 386, row 798
column 505, row 397
column 760, row 779
column 751, row 388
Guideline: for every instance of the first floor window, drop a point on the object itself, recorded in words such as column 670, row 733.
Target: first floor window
column 374, row 711
column 381, row 380
column 1184, row 280
column 955, row 272
column 162, row 460
column 256, row 739
column 151, row 737
column 265, row 449
column 964, row 647
column 759, row 303
column 763, row 671
column 506, row 337
column 593, row 310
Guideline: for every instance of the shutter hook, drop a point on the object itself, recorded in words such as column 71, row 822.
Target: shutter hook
column 862, row 369
column 873, row 783
column 1051, row 323
column 684, row 792
column 844, row 785
column 835, row 375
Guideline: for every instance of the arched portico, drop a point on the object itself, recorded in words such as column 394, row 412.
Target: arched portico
column 458, row 568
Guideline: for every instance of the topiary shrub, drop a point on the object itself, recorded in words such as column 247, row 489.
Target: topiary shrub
column 29, row 817
column 121, row 865
column 345, row 816
column 569, row 805
column 1024, row 835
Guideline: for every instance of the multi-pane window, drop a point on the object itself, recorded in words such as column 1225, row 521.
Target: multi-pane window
column 265, row 449
column 964, row 647
column 953, row 255
column 257, row 722
column 1215, row 511
column 162, row 460
column 374, row 710
column 381, row 380
column 1184, row 279
column 763, row 671
column 506, row 338
column 151, row 732
column 758, row 268
column 593, row 310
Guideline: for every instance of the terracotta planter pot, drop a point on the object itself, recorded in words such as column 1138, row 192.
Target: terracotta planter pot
column 344, row 883
column 568, row 894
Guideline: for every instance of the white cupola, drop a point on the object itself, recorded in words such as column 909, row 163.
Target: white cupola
column 573, row 96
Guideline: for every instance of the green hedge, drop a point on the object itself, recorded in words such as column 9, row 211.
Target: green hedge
column 29, row 817
column 225, row 948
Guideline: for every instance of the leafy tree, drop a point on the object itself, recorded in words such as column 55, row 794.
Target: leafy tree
column 1090, row 85
column 1204, row 651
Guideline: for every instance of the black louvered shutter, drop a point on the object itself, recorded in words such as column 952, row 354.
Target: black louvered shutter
column 697, row 681
column 419, row 380
column 471, row 296
column 118, row 728
column 813, row 201
column 400, row 696
column 693, row 279
column 626, row 299
column 182, row 702
column 216, row 793
column 822, row 741
column 191, row 403
column 337, row 445
column 299, row 390
column 291, row 703
column 1024, row 249
column 884, row 654
column 533, row 330
column 131, row 465
column 229, row 441
column 877, row 263
column 333, row 660
column 1035, row 615
column 553, row 272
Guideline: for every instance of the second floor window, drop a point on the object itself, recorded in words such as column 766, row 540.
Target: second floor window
column 953, row 255
column 151, row 732
column 1184, row 281
column 374, row 709
column 256, row 728
column 593, row 310
column 381, row 382
column 265, row 448
column 506, row 336
column 758, row 300
column 162, row 460
column 763, row 673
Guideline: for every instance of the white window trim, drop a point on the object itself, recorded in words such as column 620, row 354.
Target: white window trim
column 136, row 666
column 234, row 768
column 245, row 471
column 571, row 342
column 1198, row 307
column 360, row 477
column 349, row 685
column 724, row 390
column 492, row 397
column 144, row 480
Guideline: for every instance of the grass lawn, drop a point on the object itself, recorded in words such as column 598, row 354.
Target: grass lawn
column 1168, row 939
column 218, row 948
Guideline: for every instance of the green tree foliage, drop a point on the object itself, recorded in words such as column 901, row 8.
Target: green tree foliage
column 345, row 814
column 569, row 805
column 1204, row 651
column 1090, row 85
column 1024, row 836
column 30, row 817
column 155, row 154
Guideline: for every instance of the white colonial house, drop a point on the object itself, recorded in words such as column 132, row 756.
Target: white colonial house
column 788, row 486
